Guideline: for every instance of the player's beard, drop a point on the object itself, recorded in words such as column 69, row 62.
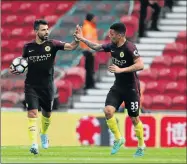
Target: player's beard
column 114, row 41
column 43, row 38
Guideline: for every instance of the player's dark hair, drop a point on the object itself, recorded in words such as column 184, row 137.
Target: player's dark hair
column 39, row 22
column 118, row 27
column 89, row 16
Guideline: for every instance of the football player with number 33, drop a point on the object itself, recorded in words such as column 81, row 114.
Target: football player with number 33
column 126, row 61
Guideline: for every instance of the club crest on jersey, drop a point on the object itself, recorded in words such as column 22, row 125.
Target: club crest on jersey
column 47, row 48
column 121, row 54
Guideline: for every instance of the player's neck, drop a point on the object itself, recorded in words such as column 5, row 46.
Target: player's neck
column 121, row 42
column 39, row 41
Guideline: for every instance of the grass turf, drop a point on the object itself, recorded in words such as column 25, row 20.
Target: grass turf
column 21, row 154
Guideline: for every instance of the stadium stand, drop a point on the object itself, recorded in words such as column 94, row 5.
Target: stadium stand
column 9, row 99
column 160, row 62
column 179, row 103
column 18, row 17
column 154, row 88
column 161, row 102
column 65, row 90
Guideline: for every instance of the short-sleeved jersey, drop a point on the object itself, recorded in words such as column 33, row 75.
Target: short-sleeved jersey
column 124, row 57
column 41, row 61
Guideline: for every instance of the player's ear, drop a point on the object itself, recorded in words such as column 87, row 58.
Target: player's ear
column 36, row 31
column 121, row 35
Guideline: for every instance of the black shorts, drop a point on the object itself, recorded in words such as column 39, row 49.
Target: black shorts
column 36, row 97
column 131, row 97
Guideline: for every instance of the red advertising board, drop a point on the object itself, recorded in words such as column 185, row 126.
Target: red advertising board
column 173, row 131
column 149, row 123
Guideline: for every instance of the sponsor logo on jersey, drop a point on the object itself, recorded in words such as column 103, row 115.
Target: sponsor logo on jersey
column 39, row 58
column 47, row 48
column 118, row 62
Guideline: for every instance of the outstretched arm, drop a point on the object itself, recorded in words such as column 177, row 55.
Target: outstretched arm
column 94, row 46
column 71, row 46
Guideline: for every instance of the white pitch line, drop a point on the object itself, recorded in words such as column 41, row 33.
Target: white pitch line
column 103, row 159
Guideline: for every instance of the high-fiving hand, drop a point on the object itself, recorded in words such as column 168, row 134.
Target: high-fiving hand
column 78, row 33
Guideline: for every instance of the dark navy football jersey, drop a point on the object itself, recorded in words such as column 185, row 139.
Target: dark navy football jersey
column 41, row 59
column 124, row 57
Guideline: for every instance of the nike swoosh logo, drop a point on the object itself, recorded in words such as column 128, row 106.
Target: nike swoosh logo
column 31, row 50
column 112, row 51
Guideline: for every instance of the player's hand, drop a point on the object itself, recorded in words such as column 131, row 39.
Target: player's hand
column 114, row 69
column 13, row 71
column 78, row 33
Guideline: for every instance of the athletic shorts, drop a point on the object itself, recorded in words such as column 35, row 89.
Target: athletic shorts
column 130, row 96
column 39, row 97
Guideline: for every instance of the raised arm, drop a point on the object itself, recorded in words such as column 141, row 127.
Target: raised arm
column 94, row 46
column 79, row 36
column 74, row 44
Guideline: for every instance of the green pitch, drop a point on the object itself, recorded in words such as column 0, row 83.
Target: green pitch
column 91, row 155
